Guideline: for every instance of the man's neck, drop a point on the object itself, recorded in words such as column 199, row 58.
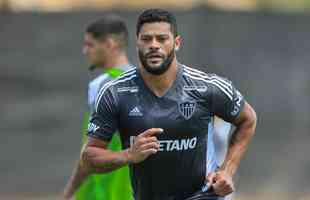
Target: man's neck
column 116, row 61
column 160, row 84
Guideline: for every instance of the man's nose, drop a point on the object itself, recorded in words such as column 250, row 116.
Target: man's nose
column 155, row 44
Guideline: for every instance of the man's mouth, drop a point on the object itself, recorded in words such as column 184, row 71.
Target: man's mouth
column 154, row 58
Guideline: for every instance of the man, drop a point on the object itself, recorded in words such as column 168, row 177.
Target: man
column 105, row 46
column 164, row 113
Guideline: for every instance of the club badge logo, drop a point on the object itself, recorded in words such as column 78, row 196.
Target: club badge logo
column 187, row 109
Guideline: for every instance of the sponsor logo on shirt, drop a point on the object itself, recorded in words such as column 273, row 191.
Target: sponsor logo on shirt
column 92, row 128
column 174, row 145
column 135, row 112
column 132, row 89
column 199, row 88
column 237, row 104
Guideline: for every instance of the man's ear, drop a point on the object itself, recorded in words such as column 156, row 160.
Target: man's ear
column 178, row 42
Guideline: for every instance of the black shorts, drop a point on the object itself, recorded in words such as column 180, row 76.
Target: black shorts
column 207, row 194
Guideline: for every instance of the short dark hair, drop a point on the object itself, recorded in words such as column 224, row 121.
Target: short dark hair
column 157, row 15
column 109, row 26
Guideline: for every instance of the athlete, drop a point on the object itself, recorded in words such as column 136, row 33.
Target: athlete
column 164, row 112
column 105, row 44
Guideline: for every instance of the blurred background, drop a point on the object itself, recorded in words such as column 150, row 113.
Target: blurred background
column 262, row 45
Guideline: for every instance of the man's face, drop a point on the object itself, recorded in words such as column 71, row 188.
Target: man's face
column 95, row 50
column 156, row 47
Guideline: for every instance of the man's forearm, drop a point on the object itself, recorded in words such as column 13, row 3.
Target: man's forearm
column 238, row 145
column 94, row 160
column 102, row 160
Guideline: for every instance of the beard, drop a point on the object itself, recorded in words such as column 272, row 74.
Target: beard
column 159, row 70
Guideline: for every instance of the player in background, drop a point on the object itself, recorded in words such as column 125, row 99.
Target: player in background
column 105, row 44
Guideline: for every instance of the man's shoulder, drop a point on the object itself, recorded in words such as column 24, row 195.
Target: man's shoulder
column 202, row 77
column 195, row 73
column 104, row 78
column 99, row 80
column 205, row 82
column 126, row 78
column 125, row 82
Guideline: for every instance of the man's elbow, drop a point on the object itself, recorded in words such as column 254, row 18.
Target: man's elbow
column 87, row 159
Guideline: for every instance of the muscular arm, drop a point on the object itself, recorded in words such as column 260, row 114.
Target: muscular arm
column 96, row 158
column 221, row 180
column 245, row 128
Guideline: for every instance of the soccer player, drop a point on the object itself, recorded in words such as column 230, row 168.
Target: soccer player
column 105, row 44
column 164, row 112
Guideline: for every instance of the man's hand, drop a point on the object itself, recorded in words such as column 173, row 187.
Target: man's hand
column 221, row 182
column 144, row 145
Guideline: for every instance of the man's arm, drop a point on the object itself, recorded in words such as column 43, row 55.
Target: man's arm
column 245, row 128
column 96, row 158
column 228, row 103
column 93, row 151
column 82, row 169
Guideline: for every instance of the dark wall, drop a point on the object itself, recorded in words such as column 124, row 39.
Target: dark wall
column 43, row 82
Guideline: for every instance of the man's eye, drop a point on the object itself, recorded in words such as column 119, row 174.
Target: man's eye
column 145, row 39
column 162, row 39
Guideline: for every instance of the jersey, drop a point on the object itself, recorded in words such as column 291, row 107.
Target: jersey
column 185, row 113
column 98, row 82
column 105, row 187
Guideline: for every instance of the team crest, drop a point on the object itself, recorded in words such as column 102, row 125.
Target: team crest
column 187, row 109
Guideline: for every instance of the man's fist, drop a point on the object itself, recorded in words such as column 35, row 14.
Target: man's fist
column 144, row 145
column 221, row 183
